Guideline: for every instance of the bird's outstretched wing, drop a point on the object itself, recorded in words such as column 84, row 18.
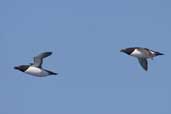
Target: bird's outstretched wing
column 143, row 62
column 38, row 60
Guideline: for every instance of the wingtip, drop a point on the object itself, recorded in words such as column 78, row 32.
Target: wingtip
column 49, row 52
column 146, row 70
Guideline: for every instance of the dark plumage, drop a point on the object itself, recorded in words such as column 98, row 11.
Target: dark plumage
column 35, row 68
column 142, row 54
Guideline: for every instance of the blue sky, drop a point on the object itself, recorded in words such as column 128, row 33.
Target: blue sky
column 85, row 38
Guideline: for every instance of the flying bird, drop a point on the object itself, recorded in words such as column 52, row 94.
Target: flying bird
column 35, row 68
column 142, row 54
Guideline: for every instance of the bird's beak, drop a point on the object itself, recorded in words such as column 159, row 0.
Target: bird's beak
column 16, row 67
column 122, row 50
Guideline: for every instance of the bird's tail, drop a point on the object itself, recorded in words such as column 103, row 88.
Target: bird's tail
column 158, row 53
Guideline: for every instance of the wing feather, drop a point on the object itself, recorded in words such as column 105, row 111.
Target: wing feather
column 38, row 60
column 144, row 63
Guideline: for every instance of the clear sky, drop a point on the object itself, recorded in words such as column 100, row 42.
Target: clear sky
column 85, row 38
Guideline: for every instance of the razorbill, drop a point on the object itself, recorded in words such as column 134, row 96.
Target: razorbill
column 35, row 68
column 142, row 54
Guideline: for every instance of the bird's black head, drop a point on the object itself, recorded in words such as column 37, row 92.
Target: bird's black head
column 127, row 50
column 22, row 68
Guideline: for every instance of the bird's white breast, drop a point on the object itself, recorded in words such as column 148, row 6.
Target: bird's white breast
column 137, row 53
column 36, row 71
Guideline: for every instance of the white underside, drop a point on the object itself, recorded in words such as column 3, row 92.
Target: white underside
column 36, row 71
column 137, row 53
column 140, row 54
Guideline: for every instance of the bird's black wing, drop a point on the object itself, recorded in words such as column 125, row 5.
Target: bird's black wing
column 144, row 63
